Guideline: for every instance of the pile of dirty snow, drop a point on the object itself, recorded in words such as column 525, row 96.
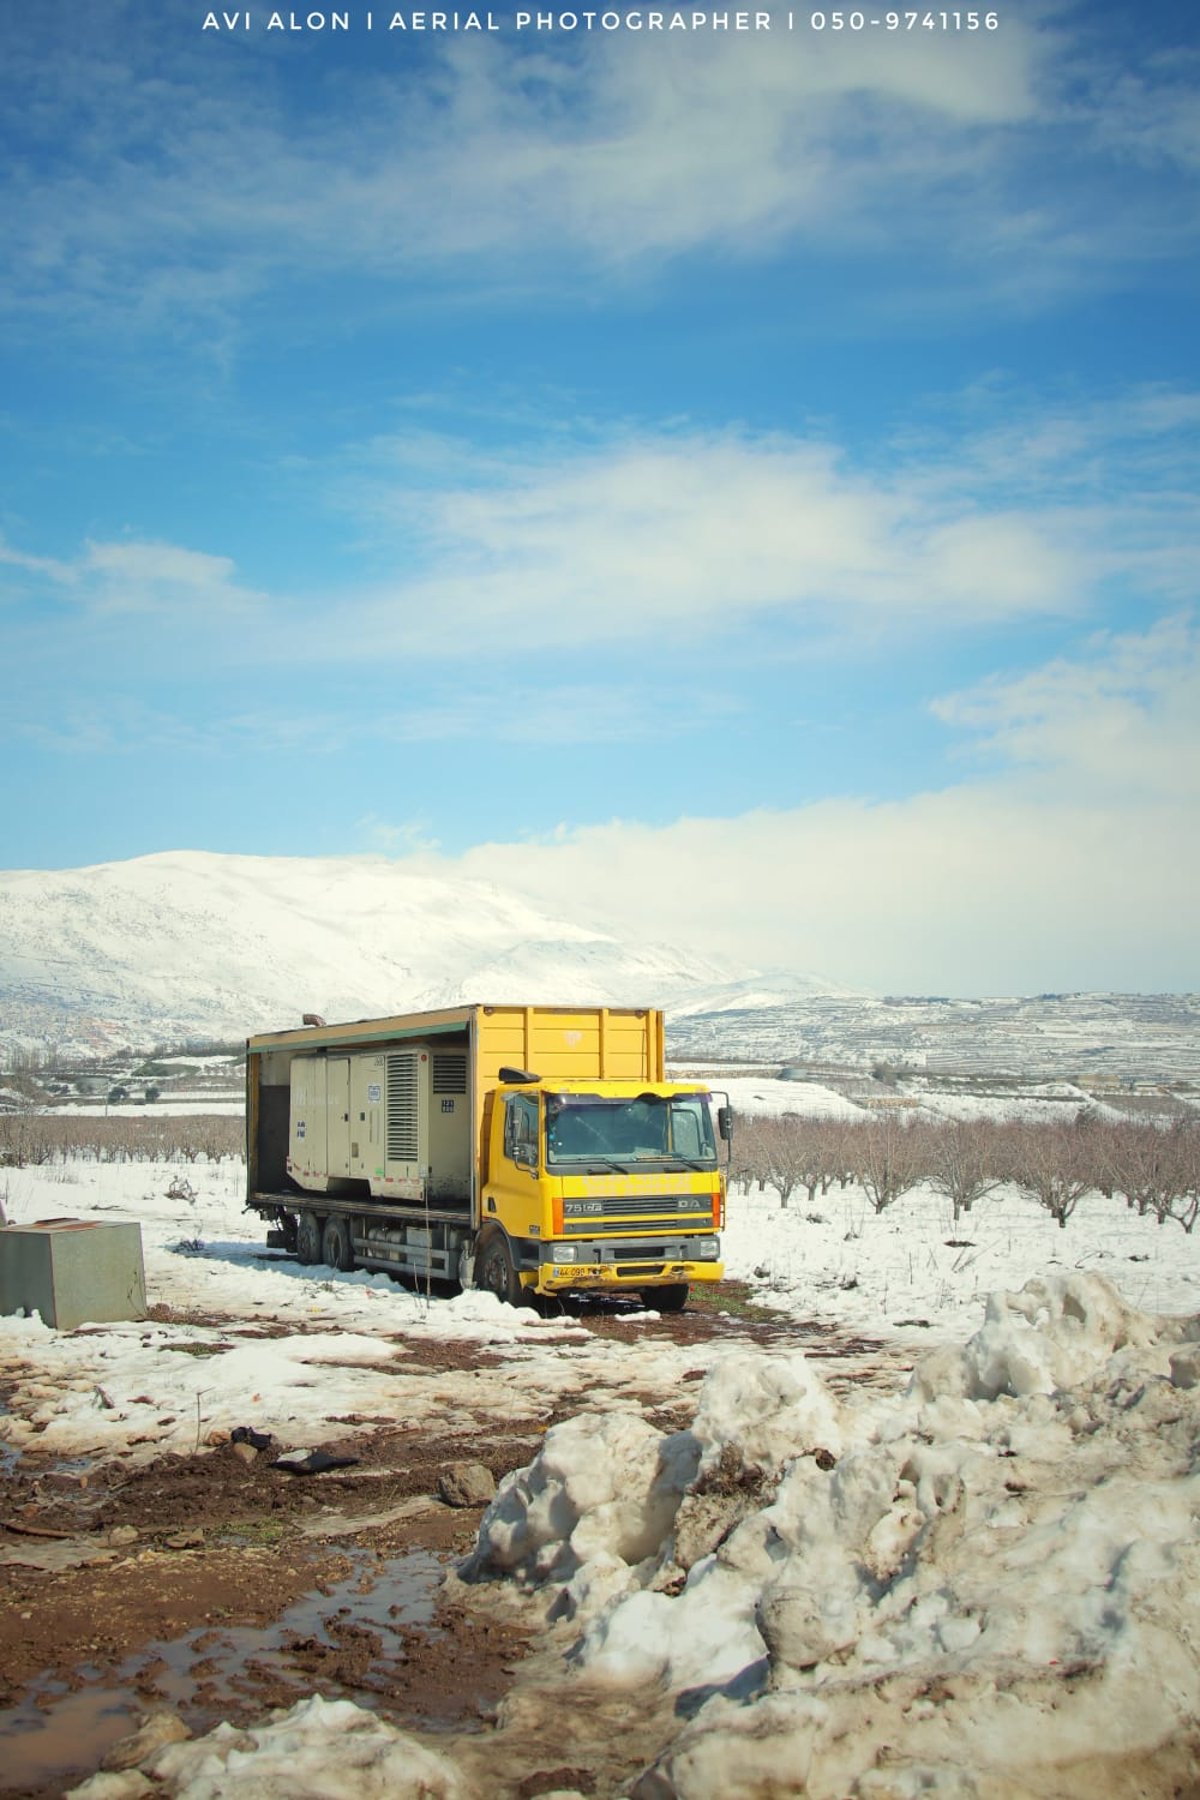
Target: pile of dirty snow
column 985, row 1585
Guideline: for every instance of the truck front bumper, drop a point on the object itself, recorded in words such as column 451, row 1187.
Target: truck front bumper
column 603, row 1263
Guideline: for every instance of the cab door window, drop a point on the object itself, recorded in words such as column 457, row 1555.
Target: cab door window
column 521, row 1130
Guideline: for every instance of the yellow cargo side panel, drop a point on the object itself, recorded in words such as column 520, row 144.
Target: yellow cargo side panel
column 571, row 1043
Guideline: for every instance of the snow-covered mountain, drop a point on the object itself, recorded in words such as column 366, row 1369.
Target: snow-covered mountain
column 185, row 945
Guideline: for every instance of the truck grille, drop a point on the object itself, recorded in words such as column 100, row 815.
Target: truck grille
column 653, row 1211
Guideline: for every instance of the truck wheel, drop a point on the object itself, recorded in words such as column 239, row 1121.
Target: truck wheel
column 337, row 1248
column 495, row 1270
column 308, row 1238
column 670, row 1299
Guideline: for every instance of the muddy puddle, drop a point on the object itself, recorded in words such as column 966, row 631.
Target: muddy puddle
column 350, row 1638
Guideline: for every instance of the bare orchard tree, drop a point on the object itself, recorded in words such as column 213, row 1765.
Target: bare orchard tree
column 748, row 1162
column 799, row 1152
column 1058, row 1164
column 890, row 1154
column 1185, row 1146
column 963, row 1163
column 837, row 1140
column 785, row 1156
column 1141, row 1162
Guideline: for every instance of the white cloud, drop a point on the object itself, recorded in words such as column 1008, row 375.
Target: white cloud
column 133, row 577
column 1082, row 874
column 43, row 566
column 698, row 535
column 1125, row 719
column 576, row 157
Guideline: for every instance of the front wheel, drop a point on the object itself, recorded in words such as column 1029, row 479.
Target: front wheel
column 670, row 1299
column 495, row 1271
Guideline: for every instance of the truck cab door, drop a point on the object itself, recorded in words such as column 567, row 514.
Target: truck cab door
column 514, row 1189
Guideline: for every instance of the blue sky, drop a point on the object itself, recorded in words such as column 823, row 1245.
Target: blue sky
column 738, row 485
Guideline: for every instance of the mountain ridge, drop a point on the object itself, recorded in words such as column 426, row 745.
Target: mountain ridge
column 192, row 943
column 182, row 946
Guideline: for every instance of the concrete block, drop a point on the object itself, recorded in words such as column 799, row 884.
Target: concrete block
column 71, row 1271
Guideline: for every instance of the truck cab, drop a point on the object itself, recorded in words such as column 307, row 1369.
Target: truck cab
column 600, row 1184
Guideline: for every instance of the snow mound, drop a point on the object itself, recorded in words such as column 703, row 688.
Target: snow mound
column 318, row 1748
column 934, row 1593
column 983, row 1587
column 1054, row 1333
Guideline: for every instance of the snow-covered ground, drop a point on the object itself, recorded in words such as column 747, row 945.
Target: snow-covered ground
column 981, row 1582
column 179, row 1105
column 769, row 1098
column 838, row 1260
column 312, row 1346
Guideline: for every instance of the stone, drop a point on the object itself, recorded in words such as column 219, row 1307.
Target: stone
column 123, row 1534
column 466, row 1484
column 156, row 1732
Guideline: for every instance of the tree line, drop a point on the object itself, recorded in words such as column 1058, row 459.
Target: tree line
column 35, row 1138
column 1154, row 1167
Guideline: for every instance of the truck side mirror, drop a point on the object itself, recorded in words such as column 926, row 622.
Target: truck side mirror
column 725, row 1122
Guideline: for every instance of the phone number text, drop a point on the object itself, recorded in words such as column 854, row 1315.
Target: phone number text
column 903, row 21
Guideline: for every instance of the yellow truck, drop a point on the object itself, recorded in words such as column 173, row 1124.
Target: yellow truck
column 528, row 1150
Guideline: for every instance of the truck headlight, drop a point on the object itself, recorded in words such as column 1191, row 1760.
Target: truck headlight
column 708, row 1249
column 561, row 1253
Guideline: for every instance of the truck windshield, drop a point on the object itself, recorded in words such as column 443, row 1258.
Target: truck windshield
column 651, row 1129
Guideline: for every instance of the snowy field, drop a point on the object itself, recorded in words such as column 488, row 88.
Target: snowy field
column 182, row 1105
column 769, row 1097
column 980, row 1583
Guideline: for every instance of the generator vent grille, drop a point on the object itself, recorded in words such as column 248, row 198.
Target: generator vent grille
column 402, row 1111
column 449, row 1072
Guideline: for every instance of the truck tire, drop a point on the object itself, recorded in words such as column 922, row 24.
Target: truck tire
column 337, row 1246
column 308, row 1238
column 495, row 1271
column 670, row 1299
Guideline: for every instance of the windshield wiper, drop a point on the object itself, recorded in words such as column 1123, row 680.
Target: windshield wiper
column 673, row 1157
column 607, row 1162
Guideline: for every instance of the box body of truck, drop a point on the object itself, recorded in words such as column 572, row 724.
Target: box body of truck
column 530, row 1149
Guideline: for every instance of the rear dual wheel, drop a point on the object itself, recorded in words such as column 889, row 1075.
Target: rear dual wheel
column 332, row 1245
column 337, row 1246
column 308, row 1238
